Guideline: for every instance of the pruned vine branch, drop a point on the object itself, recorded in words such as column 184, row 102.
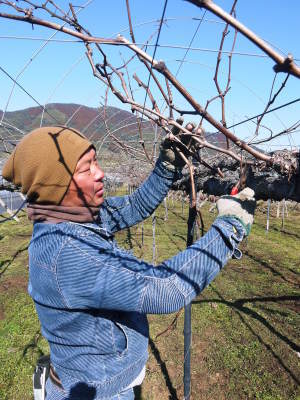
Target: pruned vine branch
column 283, row 64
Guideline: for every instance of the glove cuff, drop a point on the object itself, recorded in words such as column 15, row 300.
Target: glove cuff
column 246, row 226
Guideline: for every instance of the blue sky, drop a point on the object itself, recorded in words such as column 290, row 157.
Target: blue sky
column 60, row 72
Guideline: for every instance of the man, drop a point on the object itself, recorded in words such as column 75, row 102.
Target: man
column 91, row 296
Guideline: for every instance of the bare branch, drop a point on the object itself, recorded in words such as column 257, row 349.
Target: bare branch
column 270, row 102
column 282, row 64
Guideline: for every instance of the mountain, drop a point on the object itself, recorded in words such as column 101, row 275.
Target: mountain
column 109, row 128
column 115, row 132
column 95, row 123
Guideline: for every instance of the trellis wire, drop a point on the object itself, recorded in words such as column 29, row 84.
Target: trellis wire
column 154, row 53
column 25, row 91
column 32, row 58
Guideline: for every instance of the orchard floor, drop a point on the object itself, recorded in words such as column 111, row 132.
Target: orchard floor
column 245, row 325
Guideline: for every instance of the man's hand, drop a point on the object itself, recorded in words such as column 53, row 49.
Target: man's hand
column 240, row 206
column 170, row 148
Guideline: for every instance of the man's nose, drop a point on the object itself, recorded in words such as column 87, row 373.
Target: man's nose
column 98, row 173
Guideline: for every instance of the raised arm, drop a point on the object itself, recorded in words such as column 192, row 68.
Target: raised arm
column 121, row 212
column 116, row 280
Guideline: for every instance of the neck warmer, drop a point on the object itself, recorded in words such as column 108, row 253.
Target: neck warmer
column 55, row 214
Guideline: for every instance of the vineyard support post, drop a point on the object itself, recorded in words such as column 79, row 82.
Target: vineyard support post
column 188, row 310
column 268, row 215
column 283, row 212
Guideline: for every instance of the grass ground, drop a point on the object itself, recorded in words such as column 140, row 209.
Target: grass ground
column 245, row 324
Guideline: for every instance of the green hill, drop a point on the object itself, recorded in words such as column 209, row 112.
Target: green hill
column 110, row 123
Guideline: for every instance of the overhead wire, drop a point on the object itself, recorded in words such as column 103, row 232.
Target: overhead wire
column 259, row 115
column 264, row 113
column 67, row 73
column 36, row 54
column 241, row 122
column 25, row 91
column 188, row 48
column 190, row 44
column 157, row 45
column 166, row 20
column 233, row 78
column 181, row 62
column 167, row 46
column 155, row 48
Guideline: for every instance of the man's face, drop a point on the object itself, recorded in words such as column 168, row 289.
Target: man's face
column 86, row 187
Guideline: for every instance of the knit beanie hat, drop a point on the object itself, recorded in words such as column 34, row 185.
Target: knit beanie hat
column 44, row 161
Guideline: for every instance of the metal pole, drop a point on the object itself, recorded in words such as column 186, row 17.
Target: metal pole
column 282, row 215
column 268, row 215
column 188, row 312
column 153, row 239
column 166, row 209
column 187, row 351
column 154, row 214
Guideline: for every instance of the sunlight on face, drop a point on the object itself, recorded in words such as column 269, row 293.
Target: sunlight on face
column 86, row 187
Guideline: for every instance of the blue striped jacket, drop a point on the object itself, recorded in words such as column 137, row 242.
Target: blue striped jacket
column 92, row 297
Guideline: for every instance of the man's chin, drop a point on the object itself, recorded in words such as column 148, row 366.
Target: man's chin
column 98, row 202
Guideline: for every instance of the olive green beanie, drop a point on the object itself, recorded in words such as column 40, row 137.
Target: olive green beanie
column 44, row 161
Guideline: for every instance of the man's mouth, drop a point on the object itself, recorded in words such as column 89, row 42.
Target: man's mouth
column 100, row 191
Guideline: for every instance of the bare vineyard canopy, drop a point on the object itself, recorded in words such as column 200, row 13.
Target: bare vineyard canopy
column 130, row 74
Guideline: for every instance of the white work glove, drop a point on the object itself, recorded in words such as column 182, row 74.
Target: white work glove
column 240, row 206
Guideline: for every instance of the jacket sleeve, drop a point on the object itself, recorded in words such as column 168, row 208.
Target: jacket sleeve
column 116, row 280
column 122, row 212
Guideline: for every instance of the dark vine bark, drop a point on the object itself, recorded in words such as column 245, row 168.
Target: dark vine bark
column 267, row 182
